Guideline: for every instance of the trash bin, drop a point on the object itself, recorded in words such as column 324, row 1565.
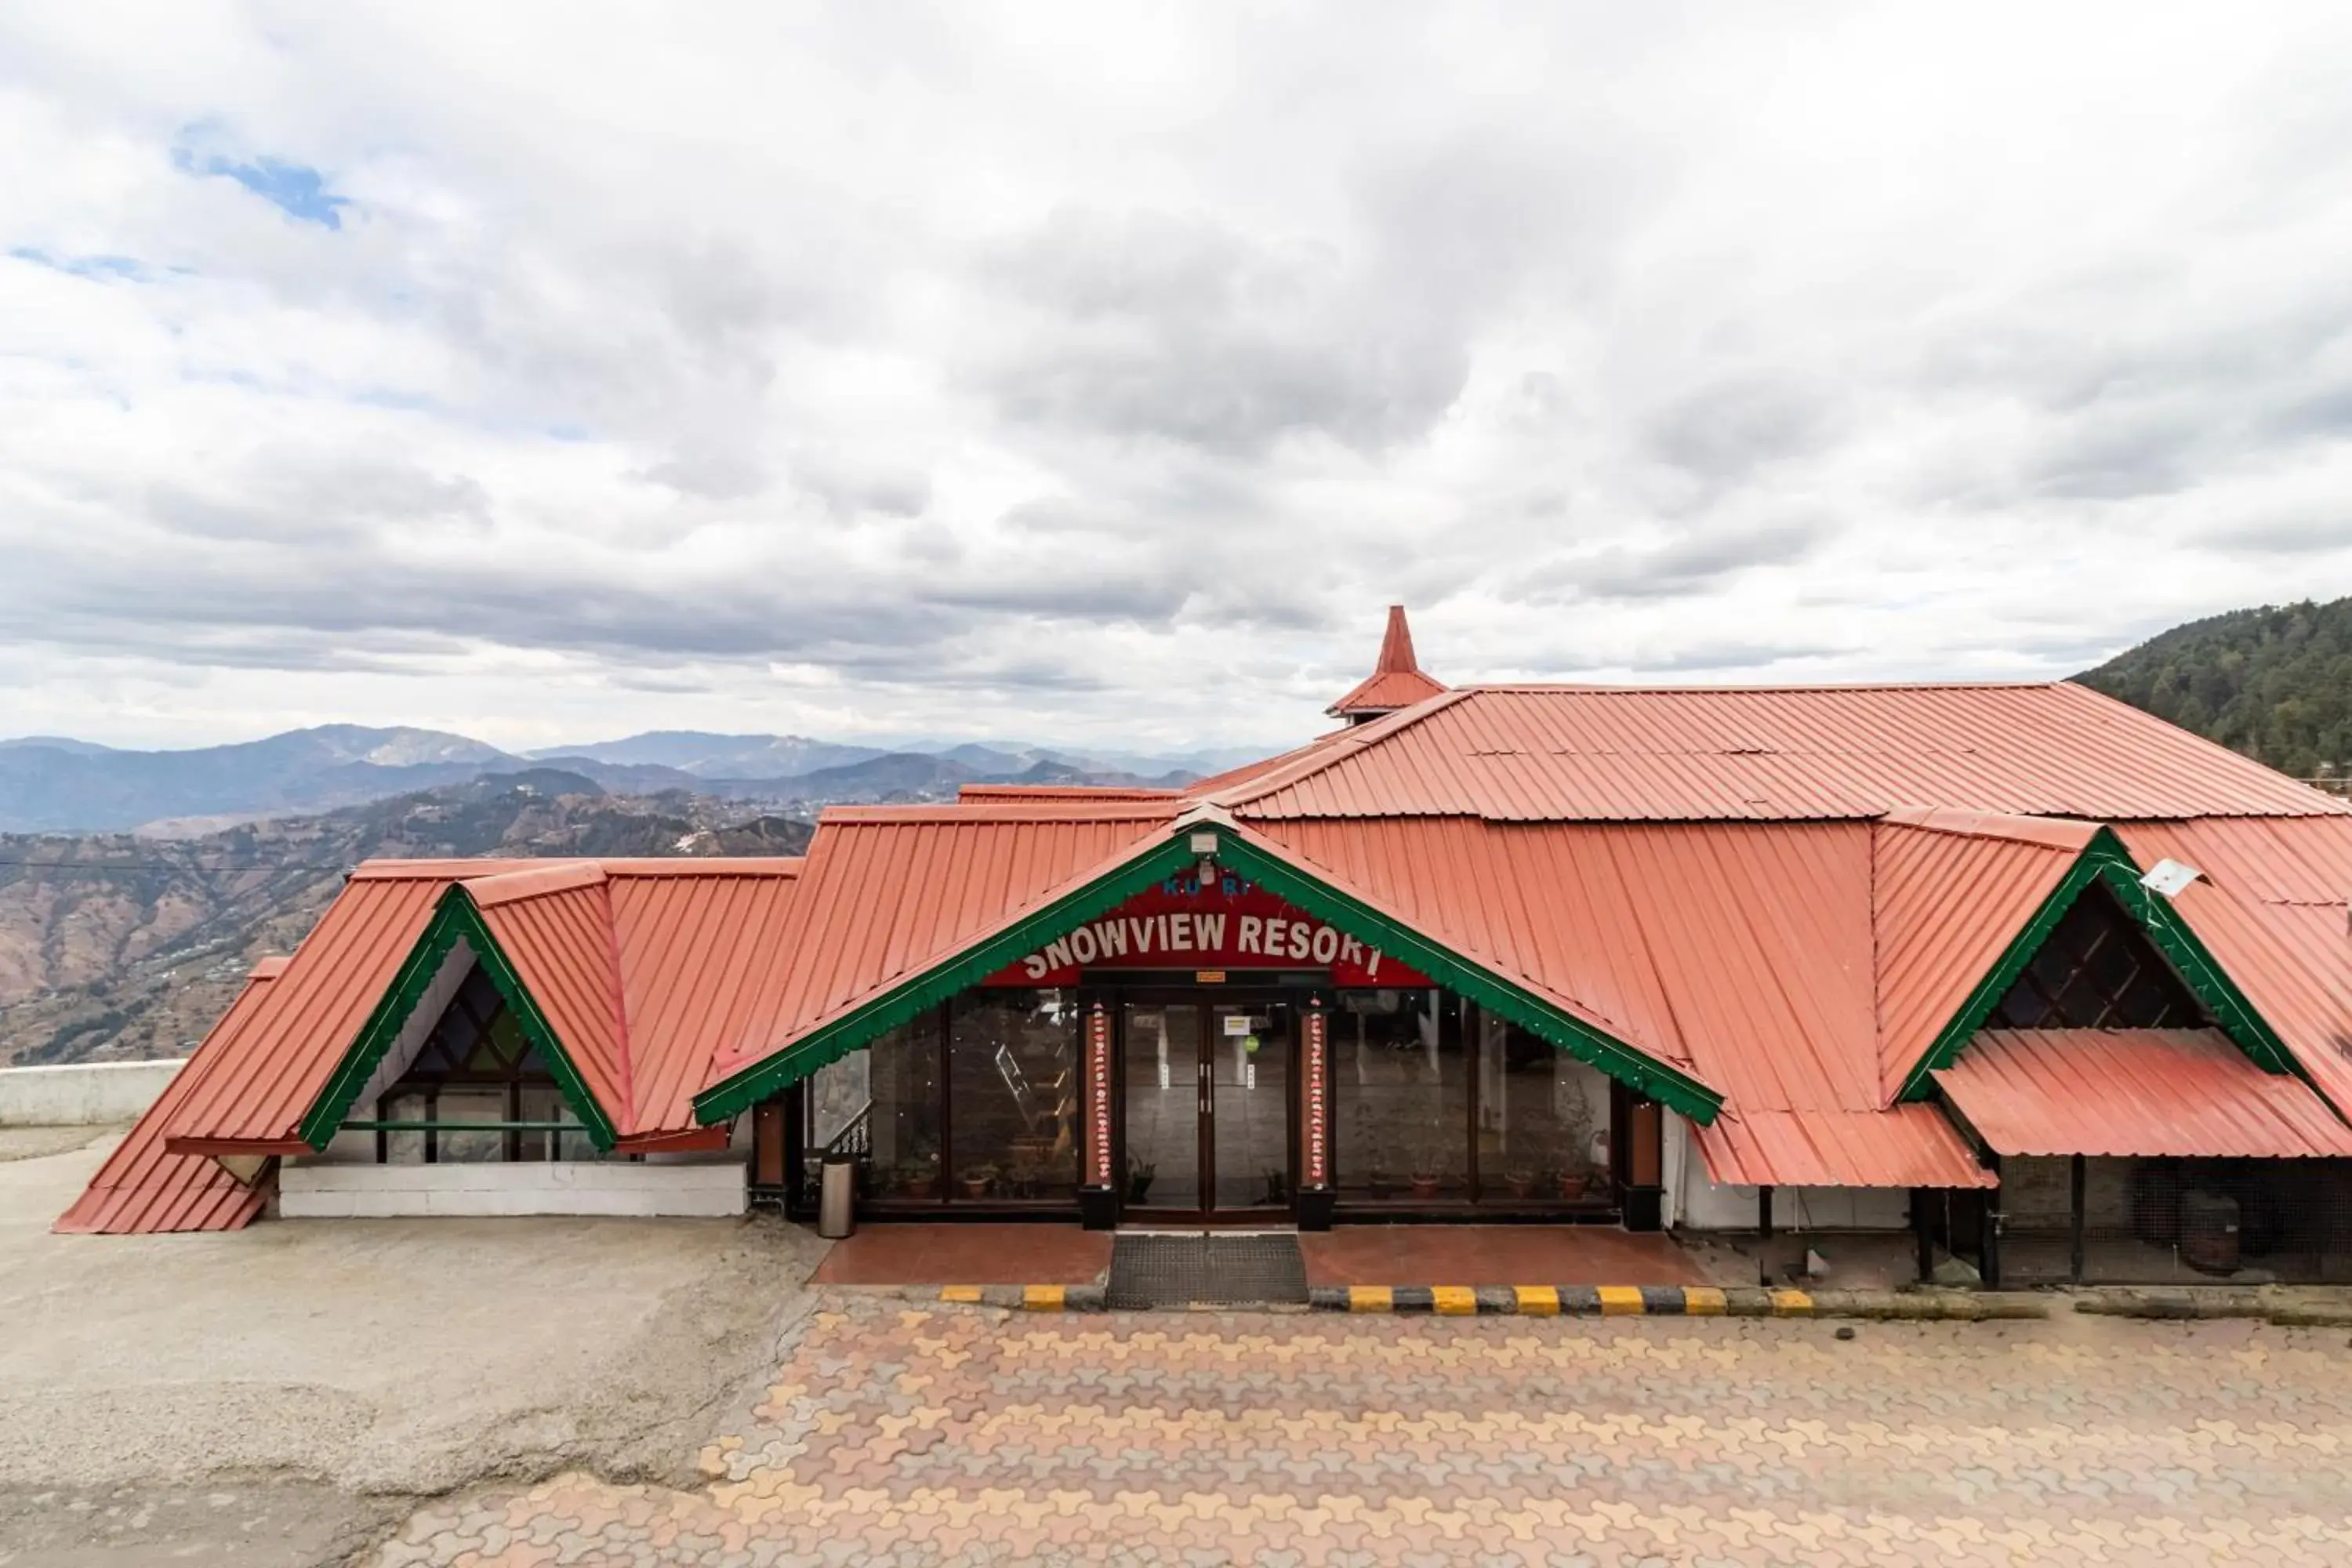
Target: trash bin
column 836, row 1197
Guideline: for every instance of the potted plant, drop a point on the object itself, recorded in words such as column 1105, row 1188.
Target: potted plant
column 1379, row 1182
column 977, row 1180
column 1521, row 1183
column 1424, row 1184
column 1139, row 1179
column 1576, row 1129
column 919, row 1177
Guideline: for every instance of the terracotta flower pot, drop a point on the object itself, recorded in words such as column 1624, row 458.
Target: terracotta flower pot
column 1571, row 1187
column 1522, row 1183
column 1424, row 1186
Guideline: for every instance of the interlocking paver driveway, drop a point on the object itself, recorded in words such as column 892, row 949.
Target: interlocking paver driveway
column 944, row 1435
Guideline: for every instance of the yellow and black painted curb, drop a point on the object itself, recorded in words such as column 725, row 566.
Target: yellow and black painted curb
column 1568, row 1301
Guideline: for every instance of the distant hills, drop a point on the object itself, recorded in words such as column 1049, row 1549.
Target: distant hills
column 55, row 784
column 2274, row 683
column 117, row 946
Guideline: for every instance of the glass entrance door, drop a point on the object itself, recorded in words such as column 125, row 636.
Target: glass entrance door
column 1207, row 1105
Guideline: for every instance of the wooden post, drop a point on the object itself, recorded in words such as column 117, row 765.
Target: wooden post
column 1989, row 1243
column 2078, row 1186
column 1764, row 1212
column 1923, row 1200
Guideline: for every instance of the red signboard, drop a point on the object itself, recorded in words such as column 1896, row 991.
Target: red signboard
column 1228, row 924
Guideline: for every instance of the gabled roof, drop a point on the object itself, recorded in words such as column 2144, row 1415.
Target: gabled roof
column 2272, row 904
column 1949, row 893
column 2185, row 1094
column 905, row 906
column 1564, row 754
column 1397, row 680
column 636, row 966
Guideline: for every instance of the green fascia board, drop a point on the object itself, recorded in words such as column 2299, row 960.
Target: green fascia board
column 733, row 1095
column 853, row 1030
column 455, row 918
column 2104, row 859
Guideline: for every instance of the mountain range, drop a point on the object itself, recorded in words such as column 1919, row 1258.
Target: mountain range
column 56, row 785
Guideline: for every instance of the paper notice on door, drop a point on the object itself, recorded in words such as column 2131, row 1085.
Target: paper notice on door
column 1236, row 1024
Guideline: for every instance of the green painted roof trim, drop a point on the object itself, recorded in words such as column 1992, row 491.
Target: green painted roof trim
column 1645, row 1074
column 454, row 920
column 2104, row 859
column 1642, row 1073
column 733, row 1095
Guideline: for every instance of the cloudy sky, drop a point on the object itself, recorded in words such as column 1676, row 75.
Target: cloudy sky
column 1098, row 374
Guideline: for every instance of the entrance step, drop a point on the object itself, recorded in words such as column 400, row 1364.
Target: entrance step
column 1212, row 1269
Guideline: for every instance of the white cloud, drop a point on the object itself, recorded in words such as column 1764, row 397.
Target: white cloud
column 1098, row 373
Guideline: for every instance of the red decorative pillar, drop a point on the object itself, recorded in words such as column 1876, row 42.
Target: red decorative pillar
column 1315, row 1195
column 1098, row 1194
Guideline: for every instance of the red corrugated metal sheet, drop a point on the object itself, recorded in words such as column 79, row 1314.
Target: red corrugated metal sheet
column 1569, row 753
column 1949, row 893
column 698, row 951
column 890, row 891
column 555, row 927
column 2186, row 1093
column 144, row 1187
column 258, row 1091
column 1000, row 793
column 1901, row 1146
column 2271, row 907
column 1742, row 951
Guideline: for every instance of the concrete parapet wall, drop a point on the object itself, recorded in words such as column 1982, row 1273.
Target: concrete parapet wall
column 82, row 1094
column 711, row 1187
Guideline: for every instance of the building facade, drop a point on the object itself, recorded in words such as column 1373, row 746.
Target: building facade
column 2044, row 981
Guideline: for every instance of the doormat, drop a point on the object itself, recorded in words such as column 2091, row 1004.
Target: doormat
column 1196, row 1271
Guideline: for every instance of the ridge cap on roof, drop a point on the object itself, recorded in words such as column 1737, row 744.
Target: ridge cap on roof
column 506, row 887
column 1339, row 744
column 1154, row 810
column 2055, row 832
column 622, row 865
column 1735, row 688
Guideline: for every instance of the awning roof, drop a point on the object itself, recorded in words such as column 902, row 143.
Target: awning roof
column 2187, row 1093
column 1902, row 1146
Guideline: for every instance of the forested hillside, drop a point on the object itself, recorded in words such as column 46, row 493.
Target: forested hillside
column 2274, row 683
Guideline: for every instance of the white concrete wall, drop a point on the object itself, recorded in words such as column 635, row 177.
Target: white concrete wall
column 82, row 1094
column 1695, row 1203
column 710, row 1186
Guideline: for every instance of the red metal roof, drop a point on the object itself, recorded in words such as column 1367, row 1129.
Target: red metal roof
column 555, row 926
column 641, row 966
column 1397, row 680
column 2272, row 907
column 1950, row 891
column 891, row 891
column 1589, row 754
column 257, row 1089
column 144, row 1187
column 2187, row 1093
column 1901, row 1146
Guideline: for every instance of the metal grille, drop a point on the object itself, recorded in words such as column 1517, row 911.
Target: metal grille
column 1205, row 1270
column 2154, row 1221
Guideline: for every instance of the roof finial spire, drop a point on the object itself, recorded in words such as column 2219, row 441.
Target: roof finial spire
column 1397, row 680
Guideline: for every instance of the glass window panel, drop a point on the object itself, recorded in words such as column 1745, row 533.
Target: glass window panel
column 838, row 1094
column 1399, row 1098
column 1249, row 1076
column 402, row 1148
column 905, row 1077
column 1013, row 1074
column 1160, row 1064
column 1543, row 1117
column 466, row 1103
